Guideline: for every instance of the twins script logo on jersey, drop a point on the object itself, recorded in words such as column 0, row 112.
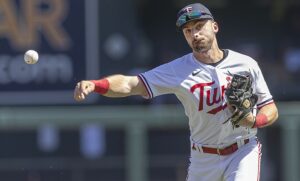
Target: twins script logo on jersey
column 214, row 96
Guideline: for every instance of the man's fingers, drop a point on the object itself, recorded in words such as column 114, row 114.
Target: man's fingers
column 82, row 96
column 82, row 89
column 87, row 89
column 79, row 97
column 77, row 94
column 86, row 92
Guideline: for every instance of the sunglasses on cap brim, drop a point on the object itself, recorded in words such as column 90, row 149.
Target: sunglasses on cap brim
column 188, row 16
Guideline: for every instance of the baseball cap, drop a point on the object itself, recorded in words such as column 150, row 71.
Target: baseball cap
column 192, row 12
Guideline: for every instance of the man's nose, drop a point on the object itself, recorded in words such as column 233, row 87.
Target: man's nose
column 196, row 34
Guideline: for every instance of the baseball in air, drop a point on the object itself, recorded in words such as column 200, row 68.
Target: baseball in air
column 31, row 57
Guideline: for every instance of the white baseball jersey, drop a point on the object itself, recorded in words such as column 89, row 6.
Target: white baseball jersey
column 200, row 88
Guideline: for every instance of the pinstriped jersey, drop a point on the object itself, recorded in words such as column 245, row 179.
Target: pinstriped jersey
column 200, row 88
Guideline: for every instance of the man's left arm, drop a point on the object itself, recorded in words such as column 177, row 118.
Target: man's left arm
column 266, row 116
column 271, row 113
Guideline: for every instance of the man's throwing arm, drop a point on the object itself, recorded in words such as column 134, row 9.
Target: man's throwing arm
column 111, row 86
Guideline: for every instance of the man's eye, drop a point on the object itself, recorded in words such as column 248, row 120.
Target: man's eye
column 199, row 26
column 188, row 30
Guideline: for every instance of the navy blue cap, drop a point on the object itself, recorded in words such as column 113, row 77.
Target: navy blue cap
column 192, row 12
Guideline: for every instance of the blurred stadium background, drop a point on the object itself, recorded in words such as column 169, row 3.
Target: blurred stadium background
column 46, row 136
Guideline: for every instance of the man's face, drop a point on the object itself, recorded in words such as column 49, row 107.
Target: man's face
column 200, row 34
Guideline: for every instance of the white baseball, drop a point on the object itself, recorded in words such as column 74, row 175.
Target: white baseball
column 31, row 57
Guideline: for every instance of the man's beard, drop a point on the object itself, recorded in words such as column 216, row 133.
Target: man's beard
column 202, row 47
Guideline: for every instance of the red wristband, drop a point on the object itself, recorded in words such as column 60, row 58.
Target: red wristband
column 260, row 121
column 101, row 86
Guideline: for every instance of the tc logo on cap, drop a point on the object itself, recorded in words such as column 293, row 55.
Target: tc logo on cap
column 188, row 9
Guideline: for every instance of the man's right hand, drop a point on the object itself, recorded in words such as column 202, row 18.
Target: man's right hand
column 82, row 89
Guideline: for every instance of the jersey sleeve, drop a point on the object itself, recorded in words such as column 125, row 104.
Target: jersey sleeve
column 260, row 88
column 160, row 80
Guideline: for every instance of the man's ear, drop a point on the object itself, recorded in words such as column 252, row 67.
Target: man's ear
column 215, row 26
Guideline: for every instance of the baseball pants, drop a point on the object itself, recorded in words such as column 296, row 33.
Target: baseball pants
column 242, row 165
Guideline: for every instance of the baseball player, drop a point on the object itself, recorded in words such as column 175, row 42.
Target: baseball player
column 219, row 150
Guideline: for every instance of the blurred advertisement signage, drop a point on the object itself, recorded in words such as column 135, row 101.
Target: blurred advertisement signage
column 63, row 32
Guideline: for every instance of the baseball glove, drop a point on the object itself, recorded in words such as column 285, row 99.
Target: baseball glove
column 240, row 97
